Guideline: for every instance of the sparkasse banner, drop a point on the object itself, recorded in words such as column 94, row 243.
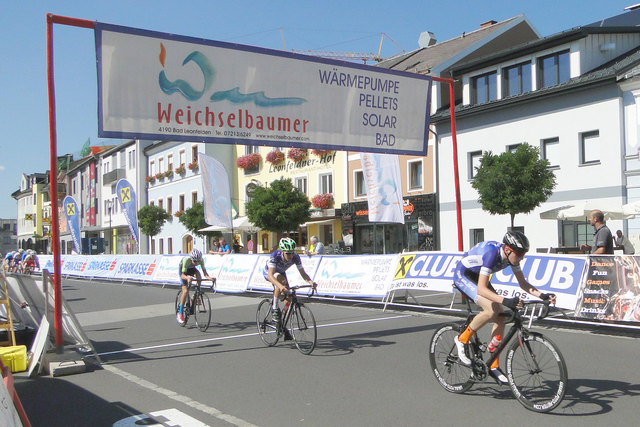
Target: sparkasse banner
column 154, row 85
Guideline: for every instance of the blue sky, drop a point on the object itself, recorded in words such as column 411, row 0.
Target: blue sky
column 345, row 26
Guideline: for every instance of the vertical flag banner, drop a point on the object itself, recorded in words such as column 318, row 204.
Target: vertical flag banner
column 127, row 199
column 72, row 215
column 384, row 187
column 215, row 186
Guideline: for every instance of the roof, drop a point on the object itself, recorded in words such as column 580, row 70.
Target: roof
column 424, row 60
column 624, row 66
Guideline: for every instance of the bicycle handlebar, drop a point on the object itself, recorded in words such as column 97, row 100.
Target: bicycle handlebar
column 542, row 305
column 313, row 291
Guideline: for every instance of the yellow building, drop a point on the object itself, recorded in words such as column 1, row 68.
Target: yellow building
column 314, row 172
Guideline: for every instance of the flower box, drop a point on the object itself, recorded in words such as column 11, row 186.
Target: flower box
column 178, row 214
column 249, row 161
column 319, row 152
column 193, row 166
column 150, row 179
column 159, row 175
column 180, row 170
column 275, row 157
column 297, row 154
column 322, row 201
column 168, row 174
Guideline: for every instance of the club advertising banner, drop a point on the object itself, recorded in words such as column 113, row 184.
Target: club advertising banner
column 73, row 221
column 127, row 199
column 162, row 86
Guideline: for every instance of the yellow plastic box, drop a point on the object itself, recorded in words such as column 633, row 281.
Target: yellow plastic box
column 14, row 357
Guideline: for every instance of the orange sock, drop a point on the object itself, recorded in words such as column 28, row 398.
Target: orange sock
column 496, row 363
column 465, row 336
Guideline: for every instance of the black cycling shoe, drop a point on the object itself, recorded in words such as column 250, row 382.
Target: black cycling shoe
column 499, row 376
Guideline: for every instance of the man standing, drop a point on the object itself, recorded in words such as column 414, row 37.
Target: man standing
column 624, row 243
column 602, row 237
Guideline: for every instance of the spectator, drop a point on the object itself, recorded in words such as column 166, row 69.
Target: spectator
column 224, row 247
column 602, row 238
column 215, row 248
column 624, row 243
column 237, row 247
column 315, row 248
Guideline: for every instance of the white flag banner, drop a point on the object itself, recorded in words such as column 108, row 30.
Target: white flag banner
column 384, row 187
column 215, row 187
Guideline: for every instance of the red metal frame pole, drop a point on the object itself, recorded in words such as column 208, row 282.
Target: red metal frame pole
column 53, row 166
column 456, row 173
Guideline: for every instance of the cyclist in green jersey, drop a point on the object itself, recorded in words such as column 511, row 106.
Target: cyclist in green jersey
column 188, row 272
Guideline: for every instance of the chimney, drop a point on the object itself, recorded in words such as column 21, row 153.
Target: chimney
column 426, row 39
column 488, row 24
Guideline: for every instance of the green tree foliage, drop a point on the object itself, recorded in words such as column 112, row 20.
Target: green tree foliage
column 513, row 182
column 151, row 219
column 279, row 207
column 193, row 219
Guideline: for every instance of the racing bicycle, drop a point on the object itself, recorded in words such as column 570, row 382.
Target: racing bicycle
column 535, row 368
column 197, row 305
column 297, row 320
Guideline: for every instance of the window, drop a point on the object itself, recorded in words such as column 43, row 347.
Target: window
column 590, row 148
column 152, row 203
column 484, row 88
column 170, row 245
column 553, row 69
column 170, row 162
column 182, row 155
column 132, row 159
column 161, row 203
column 152, row 168
column 326, row 183
column 181, row 202
column 415, row 174
column 476, row 235
column 513, row 147
column 474, row 163
column 170, row 205
column 516, row 79
column 301, row 184
column 248, row 149
column 153, row 246
column 194, row 198
column 551, row 151
column 160, row 246
column 194, row 153
column 359, row 188
column 161, row 164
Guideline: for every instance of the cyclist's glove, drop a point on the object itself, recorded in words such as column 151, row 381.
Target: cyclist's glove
column 511, row 303
column 544, row 297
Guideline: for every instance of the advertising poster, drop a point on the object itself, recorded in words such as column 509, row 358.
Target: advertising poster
column 360, row 276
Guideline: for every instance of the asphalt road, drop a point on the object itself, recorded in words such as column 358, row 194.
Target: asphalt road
column 370, row 368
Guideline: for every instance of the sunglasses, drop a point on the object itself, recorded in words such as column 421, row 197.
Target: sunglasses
column 288, row 253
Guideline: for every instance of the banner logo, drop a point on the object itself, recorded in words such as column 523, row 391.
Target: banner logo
column 125, row 194
column 403, row 266
column 71, row 209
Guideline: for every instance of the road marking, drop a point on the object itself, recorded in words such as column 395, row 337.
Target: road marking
column 131, row 350
column 178, row 397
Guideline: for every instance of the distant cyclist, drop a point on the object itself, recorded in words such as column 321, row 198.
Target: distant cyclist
column 275, row 271
column 30, row 261
column 472, row 278
column 188, row 272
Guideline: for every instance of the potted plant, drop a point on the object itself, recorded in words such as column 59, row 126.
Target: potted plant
column 179, row 213
column 320, row 152
column 159, row 175
column 150, row 179
column 322, row 201
column 248, row 161
column 193, row 165
column 274, row 157
column 297, row 154
column 181, row 169
column 168, row 174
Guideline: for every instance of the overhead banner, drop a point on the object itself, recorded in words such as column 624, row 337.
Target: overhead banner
column 127, row 199
column 217, row 196
column 384, row 187
column 162, row 86
column 73, row 221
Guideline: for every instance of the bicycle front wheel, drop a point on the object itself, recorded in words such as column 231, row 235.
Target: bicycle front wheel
column 303, row 328
column 451, row 374
column 202, row 311
column 267, row 328
column 537, row 373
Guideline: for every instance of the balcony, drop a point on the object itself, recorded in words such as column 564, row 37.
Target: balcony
column 113, row 176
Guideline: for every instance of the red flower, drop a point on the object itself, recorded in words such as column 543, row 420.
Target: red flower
column 297, row 154
column 249, row 161
column 193, row 165
column 180, row 169
column 322, row 201
column 319, row 152
column 150, row 179
column 275, row 157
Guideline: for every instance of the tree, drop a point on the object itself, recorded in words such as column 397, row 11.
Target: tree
column 193, row 220
column 279, row 207
column 151, row 219
column 513, row 182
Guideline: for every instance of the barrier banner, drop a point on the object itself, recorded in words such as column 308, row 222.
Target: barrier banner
column 235, row 272
column 102, row 266
column 73, row 221
column 561, row 275
column 611, row 290
column 167, row 269
column 73, row 265
column 139, row 267
column 46, row 262
column 128, row 204
column 163, row 86
column 353, row 275
column 258, row 282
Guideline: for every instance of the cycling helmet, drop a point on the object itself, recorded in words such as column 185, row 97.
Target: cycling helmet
column 195, row 255
column 517, row 241
column 287, row 244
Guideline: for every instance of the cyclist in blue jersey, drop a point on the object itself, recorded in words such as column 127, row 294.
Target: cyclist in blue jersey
column 471, row 277
column 275, row 271
column 189, row 272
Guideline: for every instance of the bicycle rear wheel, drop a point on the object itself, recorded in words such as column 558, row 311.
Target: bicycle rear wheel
column 267, row 328
column 303, row 328
column 451, row 374
column 537, row 372
column 202, row 311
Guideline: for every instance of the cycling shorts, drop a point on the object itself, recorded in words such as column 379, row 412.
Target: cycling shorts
column 466, row 281
column 190, row 272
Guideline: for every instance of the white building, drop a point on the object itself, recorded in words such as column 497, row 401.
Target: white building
column 574, row 96
column 174, row 183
